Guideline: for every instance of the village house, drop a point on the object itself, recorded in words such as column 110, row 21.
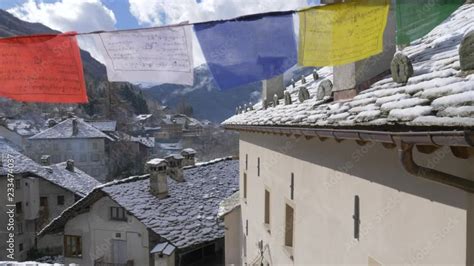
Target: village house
column 76, row 140
column 41, row 192
column 229, row 212
column 352, row 166
column 167, row 217
column 17, row 131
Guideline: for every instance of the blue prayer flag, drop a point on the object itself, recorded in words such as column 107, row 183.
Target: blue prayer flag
column 248, row 49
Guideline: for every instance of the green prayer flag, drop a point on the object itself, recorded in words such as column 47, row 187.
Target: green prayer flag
column 416, row 18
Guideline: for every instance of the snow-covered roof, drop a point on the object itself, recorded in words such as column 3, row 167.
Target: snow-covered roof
column 143, row 117
column 186, row 218
column 171, row 146
column 188, row 151
column 77, row 182
column 229, row 204
column 64, row 130
column 438, row 94
column 22, row 127
column 104, row 126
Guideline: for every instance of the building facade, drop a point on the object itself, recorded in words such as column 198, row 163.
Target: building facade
column 356, row 167
column 39, row 194
column 73, row 139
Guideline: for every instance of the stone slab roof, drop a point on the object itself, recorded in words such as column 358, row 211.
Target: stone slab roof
column 439, row 94
column 229, row 204
column 64, row 130
column 104, row 126
column 78, row 182
column 186, row 218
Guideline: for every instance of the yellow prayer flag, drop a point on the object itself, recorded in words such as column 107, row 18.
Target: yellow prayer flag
column 342, row 33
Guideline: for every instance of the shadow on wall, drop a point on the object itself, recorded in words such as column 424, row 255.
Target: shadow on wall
column 371, row 162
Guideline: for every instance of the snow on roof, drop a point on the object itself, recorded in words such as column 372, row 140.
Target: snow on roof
column 22, row 127
column 438, row 94
column 143, row 117
column 77, row 182
column 163, row 248
column 186, row 218
column 229, row 204
column 65, row 130
column 104, row 126
column 171, row 146
column 188, row 151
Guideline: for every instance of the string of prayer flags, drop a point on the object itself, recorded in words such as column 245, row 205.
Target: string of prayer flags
column 248, row 49
column 161, row 55
column 42, row 68
column 416, row 18
column 342, row 33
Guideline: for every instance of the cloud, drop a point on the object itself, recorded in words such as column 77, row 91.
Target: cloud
column 67, row 15
column 160, row 12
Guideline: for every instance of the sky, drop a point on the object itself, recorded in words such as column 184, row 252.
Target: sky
column 94, row 15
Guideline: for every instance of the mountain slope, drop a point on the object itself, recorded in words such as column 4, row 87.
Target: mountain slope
column 207, row 100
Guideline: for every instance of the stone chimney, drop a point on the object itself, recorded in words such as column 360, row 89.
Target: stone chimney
column 75, row 129
column 157, row 168
column 175, row 167
column 352, row 78
column 45, row 159
column 70, row 165
column 273, row 86
column 51, row 122
column 189, row 156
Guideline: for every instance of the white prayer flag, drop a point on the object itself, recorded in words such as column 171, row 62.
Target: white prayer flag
column 157, row 55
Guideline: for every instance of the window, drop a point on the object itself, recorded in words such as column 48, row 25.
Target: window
column 72, row 246
column 289, row 216
column 95, row 146
column 245, row 186
column 17, row 183
column 60, row 200
column 19, row 228
column 20, row 247
column 267, row 207
column 19, row 207
column 356, row 217
column 118, row 213
column 246, row 227
column 43, row 201
column 258, row 166
column 246, row 161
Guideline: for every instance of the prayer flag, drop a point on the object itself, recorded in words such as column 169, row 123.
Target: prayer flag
column 42, row 68
column 160, row 55
column 342, row 33
column 416, row 18
column 248, row 49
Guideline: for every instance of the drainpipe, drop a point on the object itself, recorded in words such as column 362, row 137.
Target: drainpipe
column 405, row 152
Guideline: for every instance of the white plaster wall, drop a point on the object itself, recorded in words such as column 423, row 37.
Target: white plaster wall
column 97, row 231
column 404, row 219
column 233, row 237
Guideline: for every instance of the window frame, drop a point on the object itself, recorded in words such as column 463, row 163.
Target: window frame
column 17, row 184
column 19, row 207
column 19, row 228
column 267, row 206
column 63, row 200
column 72, row 250
column 289, row 236
column 245, row 183
column 119, row 215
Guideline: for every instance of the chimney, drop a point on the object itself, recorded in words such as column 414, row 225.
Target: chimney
column 51, row 122
column 189, row 156
column 273, row 86
column 175, row 167
column 352, row 78
column 157, row 168
column 70, row 165
column 45, row 159
column 75, row 129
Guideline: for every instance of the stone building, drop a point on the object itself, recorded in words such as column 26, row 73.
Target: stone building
column 165, row 218
column 39, row 194
column 370, row 171
column 76, row 140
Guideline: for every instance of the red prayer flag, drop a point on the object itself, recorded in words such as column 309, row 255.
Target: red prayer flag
column 42, row 68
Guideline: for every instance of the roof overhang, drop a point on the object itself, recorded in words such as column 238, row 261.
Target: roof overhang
column 455, row 138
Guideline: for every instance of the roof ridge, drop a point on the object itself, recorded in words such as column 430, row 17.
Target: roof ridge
column 211, row 162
